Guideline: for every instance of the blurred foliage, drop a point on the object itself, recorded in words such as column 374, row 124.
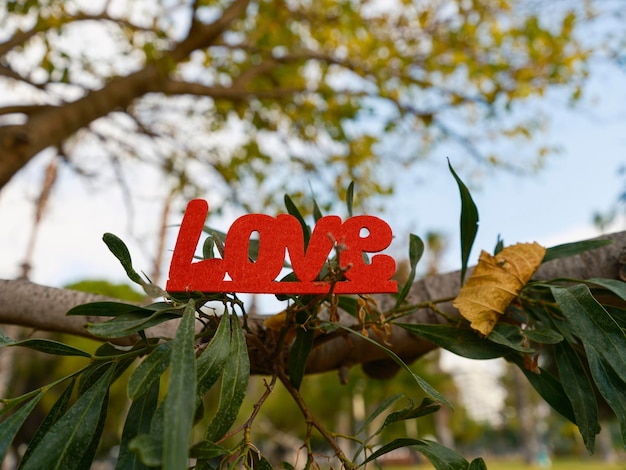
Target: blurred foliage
column 289, row 92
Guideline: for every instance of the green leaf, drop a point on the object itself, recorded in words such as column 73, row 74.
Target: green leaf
column 89, row 453
column 55, row 413
column 350, row 198
column 119, row 249
column 128, row 324
column 50, row 346
column 425, row 386
column 579, row 390
column 181, row 394
column 548, row 386
column 10, row 426
column 461, row 341
column 148, row 449
column 593, row 324
column 348, row 304
column 317, row 213
column 299, row 354
column 416, row 250
column 571, row 249
column 210, row 364
column 611, row 386
column 390, row 446
column 207, row 450
column 207, row 248
column 469, row 222
column 615, row 286
column 543, row 336
column 150, row 370
column 257, row 462
column 293, row 210
column 71, row 436
column 108, row 309
column 477, row 464
column 382, row 407
column 234, row 383
column 509, row 336
column 426, row 407
column 441, row 457
column 137, row 422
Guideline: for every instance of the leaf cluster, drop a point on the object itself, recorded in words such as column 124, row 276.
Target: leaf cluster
column 570, row 324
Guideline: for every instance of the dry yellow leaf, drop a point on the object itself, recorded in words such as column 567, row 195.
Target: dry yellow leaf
column 495, row 282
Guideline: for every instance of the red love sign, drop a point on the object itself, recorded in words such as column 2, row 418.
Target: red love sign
column 276, row 236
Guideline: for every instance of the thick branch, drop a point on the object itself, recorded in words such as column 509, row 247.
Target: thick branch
column 43, row 308
column 52, row 126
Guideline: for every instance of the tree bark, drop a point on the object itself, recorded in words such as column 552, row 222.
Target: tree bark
column 50, row 126
column 43, row 308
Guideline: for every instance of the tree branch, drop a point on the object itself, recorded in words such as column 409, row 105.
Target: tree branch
column 43, row 308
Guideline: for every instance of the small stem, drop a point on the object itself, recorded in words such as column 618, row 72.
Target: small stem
column 255, row 411
column 312, row 421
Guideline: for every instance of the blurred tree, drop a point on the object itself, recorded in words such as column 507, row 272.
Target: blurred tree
column 250, row 97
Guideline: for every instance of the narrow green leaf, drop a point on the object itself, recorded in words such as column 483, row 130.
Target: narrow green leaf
column 128, row 324
column 571, row 249
column 10, row 426
column 89, row 453
column 257, row 461
column 293, row 210
column 390, row 446
column 425, row 386
column 181, row 394
column 207, row 248
column 477, row 464
column 509, row 336
column 611, row 387
column 348, row 304
column 381, row 407
column 207, row 450
column 317, row 213
column 543, row 336
column 210, row 364
column 350, row 198
column 150, row 370
column 426, row 407
column 615, row 286
column 441, row 457
column 299, row 354
column 234, row 383
column 50, row 346
column 148, row 449
column 416, row 250
column 461, row 341
column 550, row 389
column 579, row 390
column 108, row 309
column 71, row 436
column 469, row 222
column 593, row 324
column 137, row 422
column 499, row 246
column 55, row 413
column 119, row 249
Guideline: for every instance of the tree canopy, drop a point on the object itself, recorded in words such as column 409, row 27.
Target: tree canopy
column 255, row 97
